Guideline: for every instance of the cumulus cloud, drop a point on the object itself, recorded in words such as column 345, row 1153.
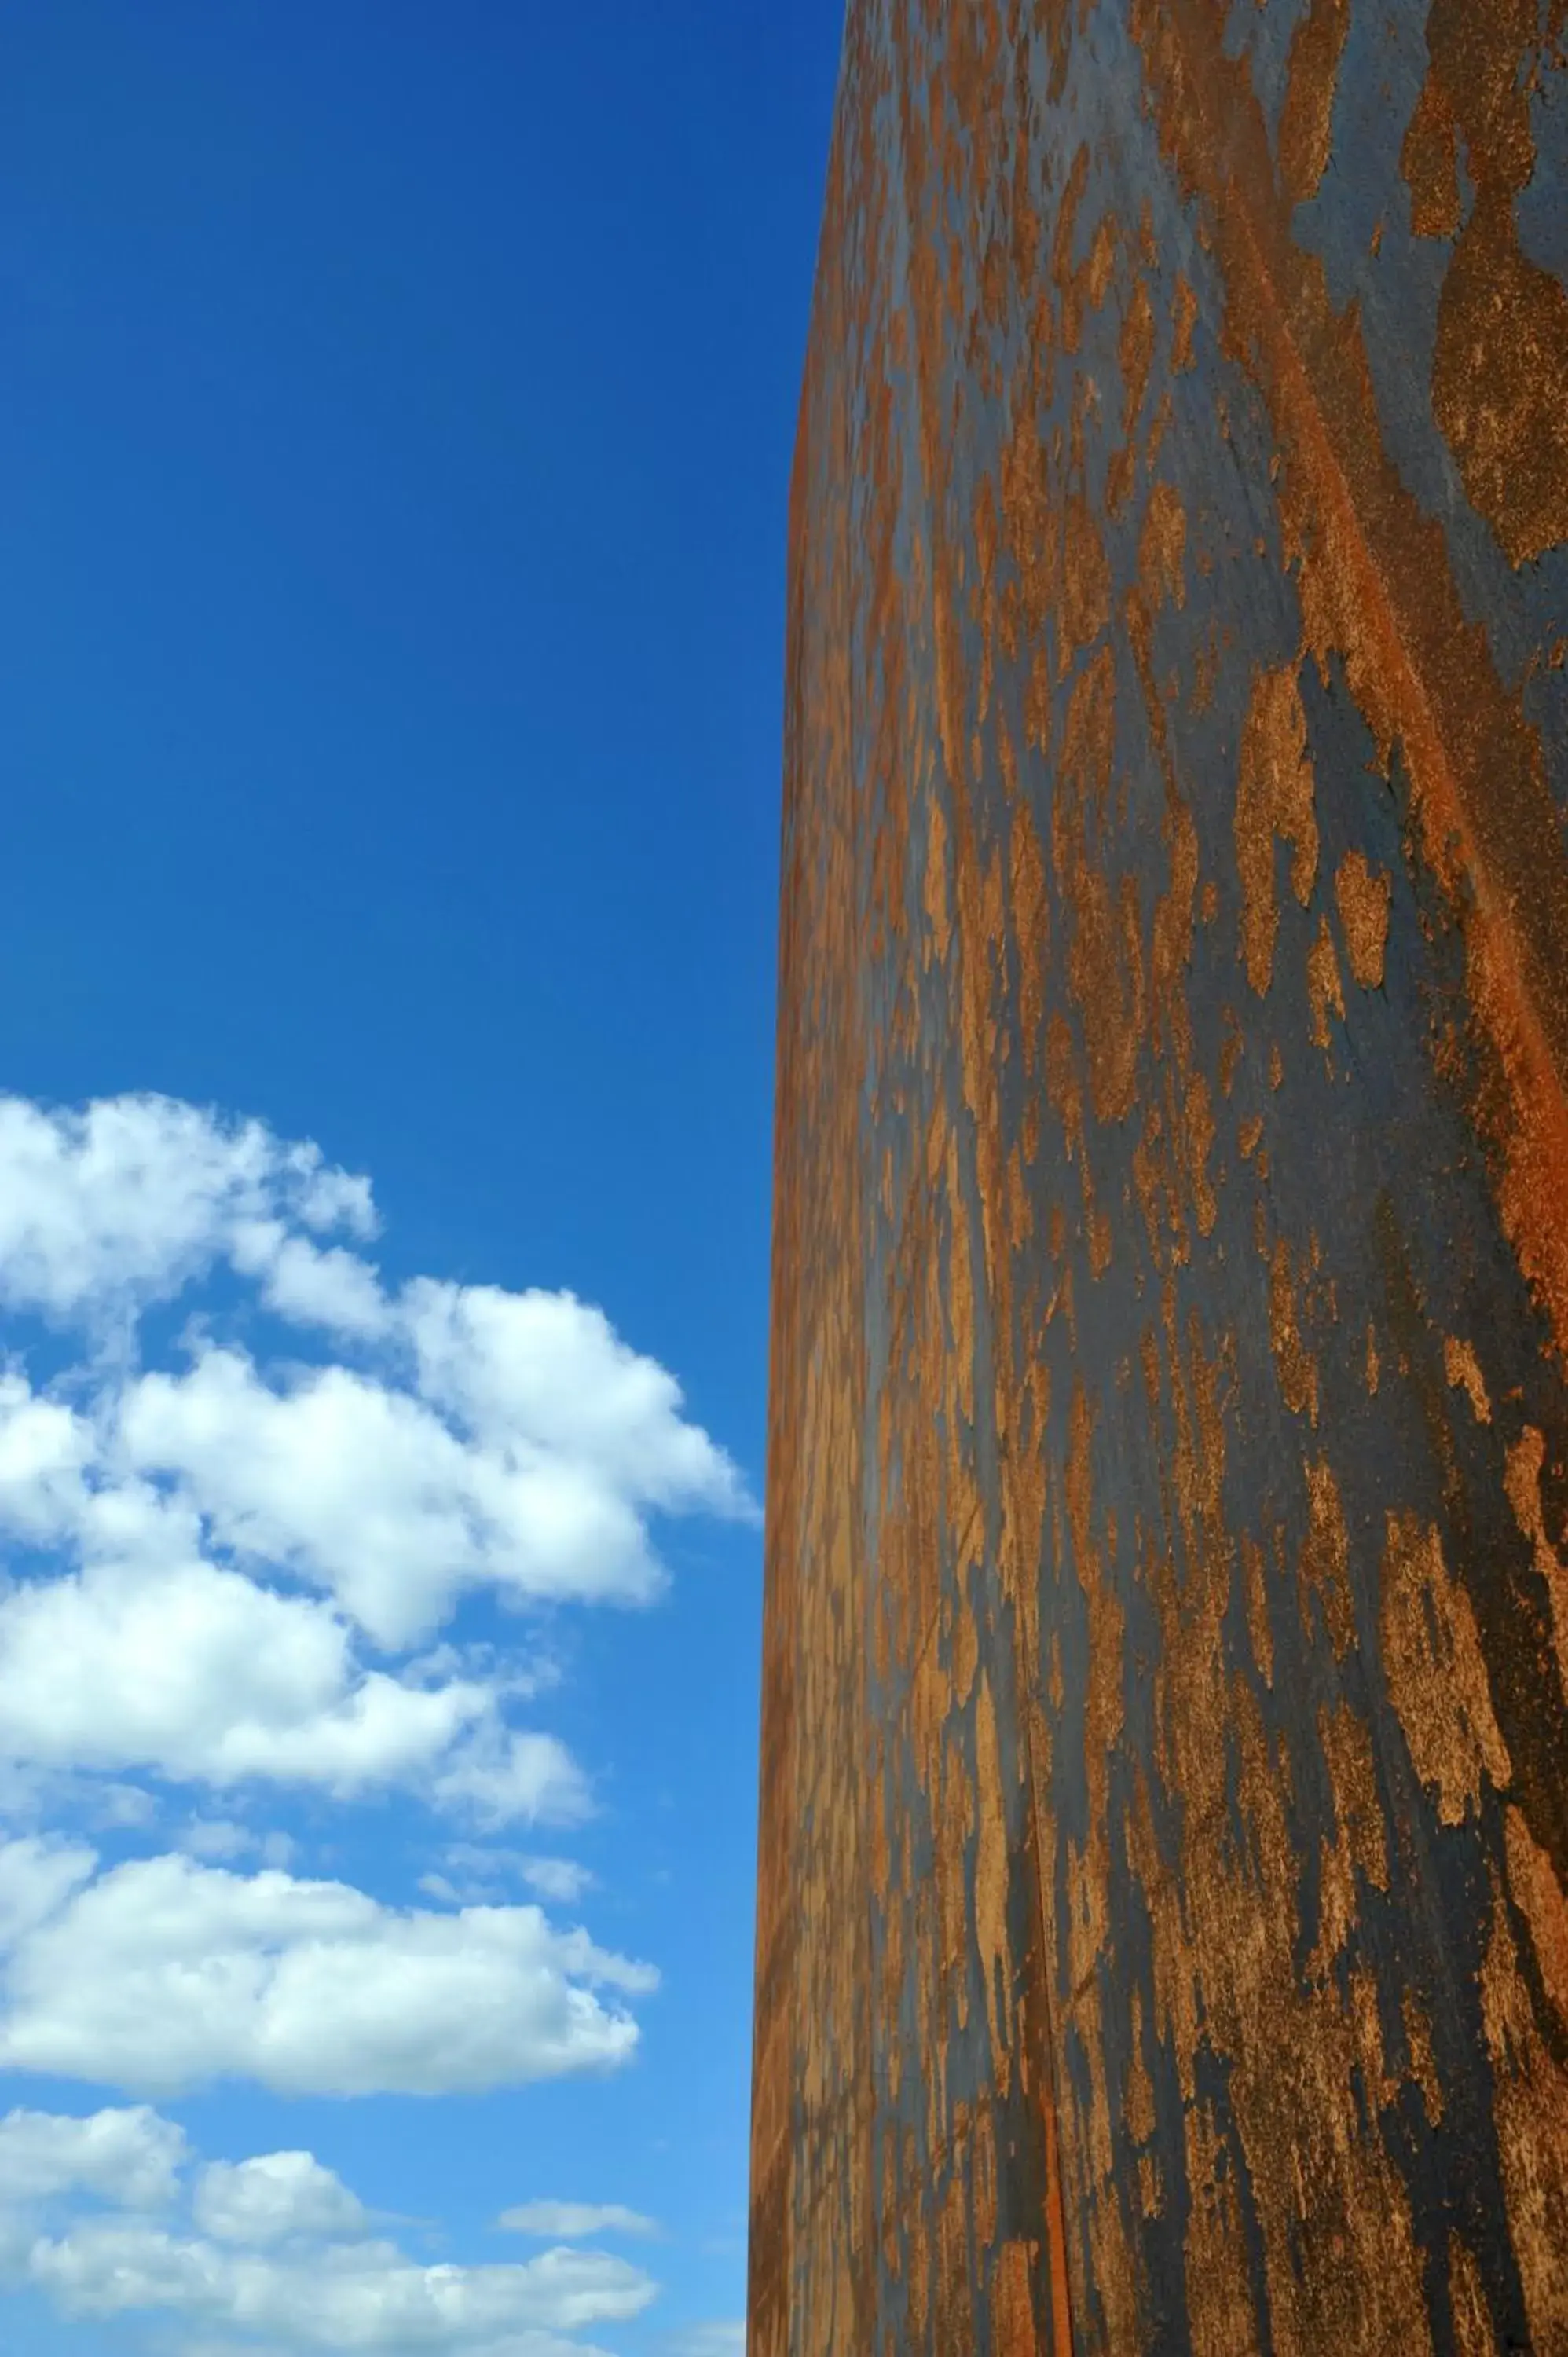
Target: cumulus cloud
column 129, row 2157
column 357, row 1486
column 574, row 2222
column 131, row 1198
column 38, row 1877
column 275, row 2245
column 222, row 1566
column 163, row 1974
column 547, row 1368
column 271, row 2199
column 228, row 1565
column 312, row 1286
column 193, row 1670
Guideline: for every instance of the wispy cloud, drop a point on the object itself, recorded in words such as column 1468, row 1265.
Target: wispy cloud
column 474, row 1872
column 574, row 2222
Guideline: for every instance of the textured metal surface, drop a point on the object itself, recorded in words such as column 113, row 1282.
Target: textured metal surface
column 1162, row 1939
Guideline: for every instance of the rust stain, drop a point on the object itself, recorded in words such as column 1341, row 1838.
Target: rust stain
column 1462, row 1370
column 1298, row 1368
column 1422, row 2064
column 1522, row 1480
column 1472, row 2332
column 1538, row 1895
column 1317, row 47
column 1364, row 898
column 1162, row 548
column 1274, row 797
column 1502, row 324
column 1325, row 992
column 1326, row 1558
column 1532, row 2090
column 1379, row 594
column 1437, row 1677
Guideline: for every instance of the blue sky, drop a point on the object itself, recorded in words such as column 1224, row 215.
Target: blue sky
column 393, row 461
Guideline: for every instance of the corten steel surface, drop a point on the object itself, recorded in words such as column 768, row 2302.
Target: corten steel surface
column 1163, row 1940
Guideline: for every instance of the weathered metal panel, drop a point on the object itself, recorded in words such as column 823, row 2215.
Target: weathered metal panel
column 1163, row 1942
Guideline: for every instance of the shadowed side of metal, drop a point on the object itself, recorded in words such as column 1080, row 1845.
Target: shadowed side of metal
column 1162, row 1934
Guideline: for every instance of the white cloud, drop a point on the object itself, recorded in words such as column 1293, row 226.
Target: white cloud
column 165, row 1974
column 227, row 1564
column 501, row 1778
column 217, row 1840
column 129, row 2157
column 168, row 1517
column 365, row 1490
column 311, row 1285
column 277, row 2196
column 102, row 1803
column 45, row 1450
column 475, row 1871
column 131, row 1198
column 528, row 2343
column 537, row 2345
column 38, row 1876
column 556, row 1878
column 154, row 1657
column 548, row 1371
column 574, row 2222
column 356, row 2296
column 197, row 1671
column 275, row 2245
column 437, row 1885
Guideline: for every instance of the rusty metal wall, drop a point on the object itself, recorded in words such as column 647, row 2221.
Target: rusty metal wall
column 1162, row 1937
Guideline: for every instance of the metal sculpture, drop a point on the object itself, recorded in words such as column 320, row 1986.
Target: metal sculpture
column 1163, row 1942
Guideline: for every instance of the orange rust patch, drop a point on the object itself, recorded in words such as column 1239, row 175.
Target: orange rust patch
column 1274, row 797
column 1430, row 162
column 1325, row 994
column 1437, row 1678
column 1326, row 1558
column 1501, row 363
column 1315, row 49
column 1422, row 2065
column 1376, row 588
column 1531, row 2089
column 1184, row 318
column 1298, row 1368
column 1472, row 2332
column 1521, row 1481
column 1161, row 549
column 1538, row 1895
column 1363, row 900
column 1086, row 583
column 1463, row 1369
